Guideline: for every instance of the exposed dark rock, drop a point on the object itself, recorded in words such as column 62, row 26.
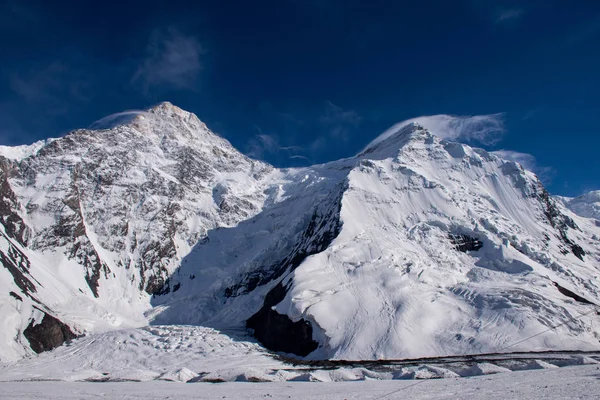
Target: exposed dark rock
column 48, row 334
column 275, row 331
column 558, row 221
column 156, row 284
column 465, row 243
column 572, row 295
column 278, row 332
column 70, row 231
column 159, row 288
column 17, row 265
column 577, row 250
column 14, row 225
column 16, row 296
column 90, row 259
column 323, row 227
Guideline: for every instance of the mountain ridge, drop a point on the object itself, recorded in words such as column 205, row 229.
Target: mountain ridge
column 158, row 220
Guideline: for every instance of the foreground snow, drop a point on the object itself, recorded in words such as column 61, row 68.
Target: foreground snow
column 581, row 382
column 197, row 354
column 176, row 353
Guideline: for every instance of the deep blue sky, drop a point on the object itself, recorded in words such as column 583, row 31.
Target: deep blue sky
column 302, row 81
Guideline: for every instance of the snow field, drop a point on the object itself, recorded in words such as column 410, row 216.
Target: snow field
column 579, row 382
column 197, row 354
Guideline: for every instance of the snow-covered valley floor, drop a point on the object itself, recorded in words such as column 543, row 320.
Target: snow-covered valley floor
column 575, row 382
column 153, row 363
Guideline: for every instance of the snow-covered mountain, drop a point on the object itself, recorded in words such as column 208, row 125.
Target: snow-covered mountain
column 587, row 205
column 415, row 247
column 96, row 221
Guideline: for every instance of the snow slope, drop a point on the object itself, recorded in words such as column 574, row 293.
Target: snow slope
column 415, row 247
column 587, row 205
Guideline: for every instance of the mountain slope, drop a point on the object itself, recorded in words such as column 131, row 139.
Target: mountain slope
column 587, row 205
column 415, row 247
column 395, row 277
column 395, row 283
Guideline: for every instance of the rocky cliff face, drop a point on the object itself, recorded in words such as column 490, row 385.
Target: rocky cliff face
column 415, row 247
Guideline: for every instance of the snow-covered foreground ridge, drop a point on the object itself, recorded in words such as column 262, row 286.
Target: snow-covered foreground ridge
column 415, row 247
column 191, row 354
column 556, row 384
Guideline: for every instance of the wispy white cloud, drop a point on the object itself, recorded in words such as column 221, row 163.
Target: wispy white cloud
column 528, row 162
column 11, row 131
column 54, row 85
column 530, row 113
column 172, row 60
column 265, row 146
column 508, row 15
column 339, row 122
column 267, row 143
column 116, row 119
column 483, row 129
column 18, row 16
column 588, row 30
column 299, row 157
column 335, row 124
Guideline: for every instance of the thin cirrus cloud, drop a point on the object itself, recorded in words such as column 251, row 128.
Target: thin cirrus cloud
column 333, row 122
column 528, row 162
column 173, row 60
column 267, row 146
column 54, row 83
column 55, row 90
column 339, row 122
column 18, row 16
column 508, row 15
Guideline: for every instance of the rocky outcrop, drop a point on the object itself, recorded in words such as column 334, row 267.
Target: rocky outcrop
column 14, row 225
column 278, row 332
column 566, row 292
column 465, row 243
column 558, row 221
column 17, row 264
column 48, row 334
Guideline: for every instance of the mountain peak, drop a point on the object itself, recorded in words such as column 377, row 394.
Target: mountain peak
column 163, row 106
column 134, row 117
column 389, row 142
column 166, row 108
